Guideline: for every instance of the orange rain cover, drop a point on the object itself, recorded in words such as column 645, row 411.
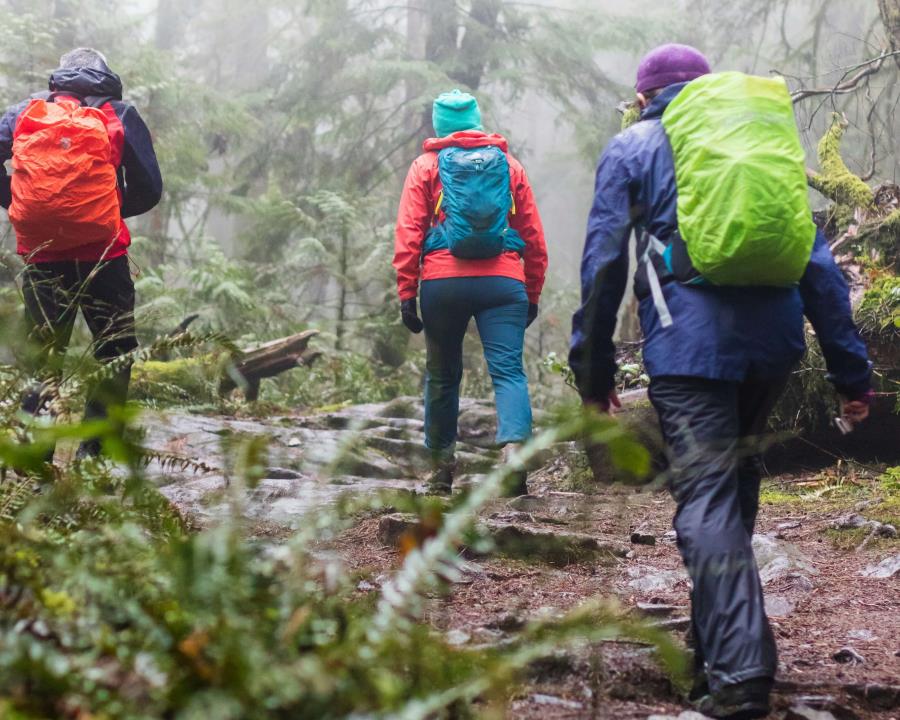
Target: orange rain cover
column 64, row 185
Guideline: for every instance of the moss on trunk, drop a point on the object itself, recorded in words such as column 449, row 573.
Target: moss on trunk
column 836, row 182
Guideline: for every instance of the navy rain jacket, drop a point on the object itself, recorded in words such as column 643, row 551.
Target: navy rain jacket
column 717, row 333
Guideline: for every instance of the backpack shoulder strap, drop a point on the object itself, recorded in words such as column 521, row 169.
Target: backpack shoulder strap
column 92, row 101
column 96, row 101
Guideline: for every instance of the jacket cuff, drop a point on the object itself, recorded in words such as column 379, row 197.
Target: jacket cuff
column 408, row 294
column 593, row 388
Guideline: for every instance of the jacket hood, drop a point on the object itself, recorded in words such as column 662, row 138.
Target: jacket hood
column 467, row 139
column 659, row 104
column 87, row 82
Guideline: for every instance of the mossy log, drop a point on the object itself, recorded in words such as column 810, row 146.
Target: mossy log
column 217, row 374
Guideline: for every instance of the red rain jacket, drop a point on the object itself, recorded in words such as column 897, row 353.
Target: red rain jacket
column 414, row 219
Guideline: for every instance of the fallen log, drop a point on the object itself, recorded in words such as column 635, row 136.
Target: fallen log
column 268, row 360
column 207, row 377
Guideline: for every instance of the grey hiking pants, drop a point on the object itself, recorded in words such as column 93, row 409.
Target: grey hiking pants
column 712, row 430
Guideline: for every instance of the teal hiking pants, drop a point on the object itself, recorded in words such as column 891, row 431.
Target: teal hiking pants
column 500, row 308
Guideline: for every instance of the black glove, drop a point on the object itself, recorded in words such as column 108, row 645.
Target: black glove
column 410, row 316
column 532, row 313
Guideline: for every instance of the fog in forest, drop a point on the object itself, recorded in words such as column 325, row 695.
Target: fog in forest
column 251, row 471
column 284, row 129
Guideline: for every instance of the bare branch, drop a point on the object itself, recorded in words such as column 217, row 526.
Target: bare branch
column 847, row 85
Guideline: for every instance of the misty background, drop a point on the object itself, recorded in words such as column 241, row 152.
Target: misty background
column 285, row 129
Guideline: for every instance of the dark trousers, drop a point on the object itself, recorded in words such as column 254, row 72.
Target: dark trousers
column 712, row 429
column 54, row 292
column 500, row 308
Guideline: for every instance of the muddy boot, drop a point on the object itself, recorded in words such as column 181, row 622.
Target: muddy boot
column 88, row 450
column 742, row 701
column 440, row 482
column 516, row 482
column 36, row 399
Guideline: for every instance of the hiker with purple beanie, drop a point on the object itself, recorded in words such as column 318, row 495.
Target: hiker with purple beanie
column 729, row 263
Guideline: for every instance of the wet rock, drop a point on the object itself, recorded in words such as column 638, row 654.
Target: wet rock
column 848, row 656
column 852, row 521
column 458, row 637
column 553, row 504
column 670, row 537
column 643, row 538
column 801, row 583
column 673, row 624
column 657, row 609
column 507, row 623
column 887, row 568
column 550, row 545
column 778, row 559
column 855, row 521
column 554, row 701
column 879, row 697
column 645, row 579
column 272, row 489
column 791, row 525
column 778, row 606
column 826, row 704
column 802, row 712
column 277, row 473
column 513, row 517
column 553, row 667
column 478, row 425
column 527, row 503
column 401, row 407
column 393, row 527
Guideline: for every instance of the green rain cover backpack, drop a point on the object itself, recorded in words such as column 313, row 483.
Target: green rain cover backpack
column 743, row 211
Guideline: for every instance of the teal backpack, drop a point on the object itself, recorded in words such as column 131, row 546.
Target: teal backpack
column 477, row 201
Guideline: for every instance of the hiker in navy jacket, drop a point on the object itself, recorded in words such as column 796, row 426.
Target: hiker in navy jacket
column 716, row 372
column 93, row 276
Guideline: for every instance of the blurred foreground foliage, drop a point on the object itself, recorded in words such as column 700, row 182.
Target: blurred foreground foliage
column 112, row 605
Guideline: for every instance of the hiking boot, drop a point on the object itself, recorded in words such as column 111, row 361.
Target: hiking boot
column 699, row 689
column 88, row 450
column 516, row 482
column 440, row 482
column 742, row 701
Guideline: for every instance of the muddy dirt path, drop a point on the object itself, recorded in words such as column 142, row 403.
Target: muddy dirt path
column 832, row 582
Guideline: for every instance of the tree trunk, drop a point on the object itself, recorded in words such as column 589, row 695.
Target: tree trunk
column 343, row 280
column 169, row 24
column 473, row 54
column 890, row 16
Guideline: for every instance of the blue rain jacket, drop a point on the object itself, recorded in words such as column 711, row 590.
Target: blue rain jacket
column 717, row 333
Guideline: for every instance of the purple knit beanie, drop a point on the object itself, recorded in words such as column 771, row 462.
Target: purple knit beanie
column 670, row 64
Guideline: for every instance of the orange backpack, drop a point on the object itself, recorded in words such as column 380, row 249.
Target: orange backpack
column 64, row 186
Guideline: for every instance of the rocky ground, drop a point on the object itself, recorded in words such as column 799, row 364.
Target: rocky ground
column 826, row 546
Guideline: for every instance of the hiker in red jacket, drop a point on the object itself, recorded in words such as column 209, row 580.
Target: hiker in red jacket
column 83, row 161
column 469, row 239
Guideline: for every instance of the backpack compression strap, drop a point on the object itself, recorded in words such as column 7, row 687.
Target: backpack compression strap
column 440, row 202
column 654, row 244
